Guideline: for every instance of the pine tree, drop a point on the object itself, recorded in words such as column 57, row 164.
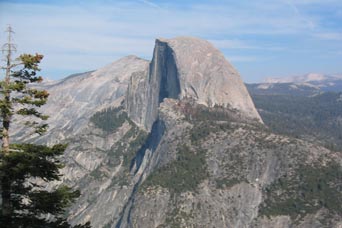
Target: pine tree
column 26, row 168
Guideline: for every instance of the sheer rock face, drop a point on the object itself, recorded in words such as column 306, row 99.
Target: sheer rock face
column 187, row 67
column 208, row 77
column 147, row 91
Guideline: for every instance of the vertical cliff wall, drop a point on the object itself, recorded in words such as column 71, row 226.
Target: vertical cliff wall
column 148, row 89
column 187, row 67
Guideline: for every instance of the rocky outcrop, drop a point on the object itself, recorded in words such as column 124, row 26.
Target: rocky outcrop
column 191, row 68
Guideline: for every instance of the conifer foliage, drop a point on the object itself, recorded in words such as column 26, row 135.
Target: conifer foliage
column 25, row 169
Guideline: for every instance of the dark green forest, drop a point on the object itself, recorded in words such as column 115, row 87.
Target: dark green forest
column 315, row 118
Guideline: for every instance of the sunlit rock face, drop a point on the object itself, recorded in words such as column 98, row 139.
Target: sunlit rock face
column 75, row 99
column 206, row 75
column 191, row 68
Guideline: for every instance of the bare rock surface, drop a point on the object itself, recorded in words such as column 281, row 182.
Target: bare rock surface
column 208, row 77
column 75, row 99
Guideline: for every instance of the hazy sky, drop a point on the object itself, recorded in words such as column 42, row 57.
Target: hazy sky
column 261, row 38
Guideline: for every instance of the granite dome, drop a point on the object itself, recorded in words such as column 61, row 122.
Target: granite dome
column 187, row 67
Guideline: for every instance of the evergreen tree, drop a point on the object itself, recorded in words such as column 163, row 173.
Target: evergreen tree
column 25, row 169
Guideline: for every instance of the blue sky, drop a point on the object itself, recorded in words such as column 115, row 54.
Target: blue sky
column 261, row 38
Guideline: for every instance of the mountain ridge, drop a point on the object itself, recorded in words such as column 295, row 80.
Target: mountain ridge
column 310, row 77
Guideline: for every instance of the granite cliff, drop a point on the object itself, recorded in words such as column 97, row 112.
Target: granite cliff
column 191, row 68
column 177, row 142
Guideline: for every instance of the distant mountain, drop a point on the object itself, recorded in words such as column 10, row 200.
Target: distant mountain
column 307, row 107
column 311, row 77
column 309, row 82
column 303, row 89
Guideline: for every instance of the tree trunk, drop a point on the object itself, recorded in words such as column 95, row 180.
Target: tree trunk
column 6, row 110
column 5, row 182
column 6, row 114
column 5, row 134
column 6, row 201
